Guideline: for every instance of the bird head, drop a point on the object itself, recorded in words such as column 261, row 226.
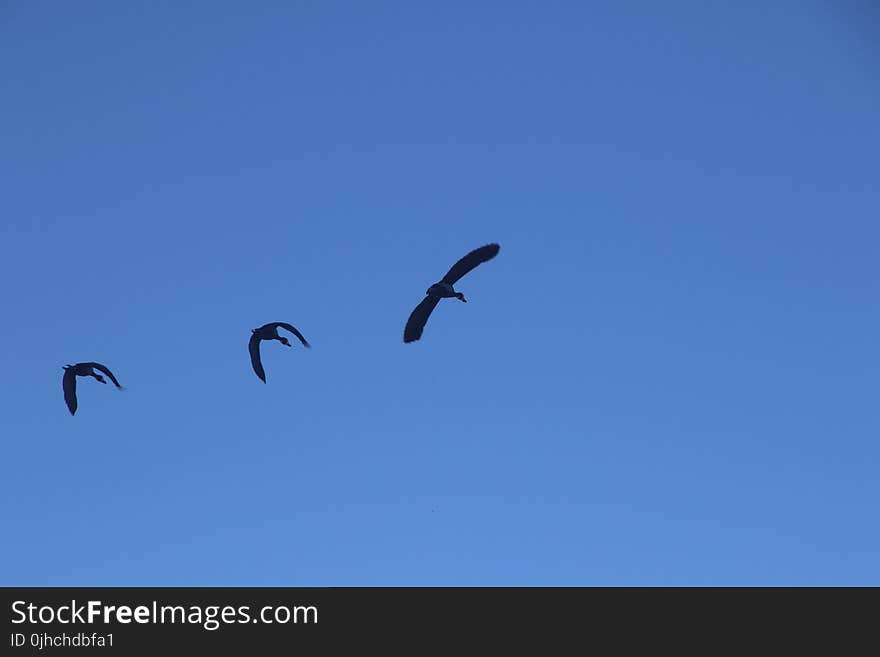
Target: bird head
column 284, row 341
column 67, row 367
column 460, row 297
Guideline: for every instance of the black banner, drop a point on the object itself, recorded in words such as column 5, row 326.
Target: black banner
column 330, row 620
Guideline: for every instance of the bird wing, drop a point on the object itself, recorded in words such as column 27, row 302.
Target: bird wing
column 418, row 318
column 106, row 371
column 254, row 349
column 471, row 260
column 290, row 328
column 69, row 385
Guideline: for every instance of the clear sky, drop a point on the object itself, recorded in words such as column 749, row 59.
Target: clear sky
column 668, row 376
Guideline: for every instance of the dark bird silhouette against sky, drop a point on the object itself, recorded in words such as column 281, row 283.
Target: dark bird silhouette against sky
column 269, row 332
column 82, row 369
column 444, row 289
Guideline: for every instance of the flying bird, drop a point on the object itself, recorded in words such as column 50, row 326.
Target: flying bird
column 269, row 332
column 82, row 369
column 443, row 289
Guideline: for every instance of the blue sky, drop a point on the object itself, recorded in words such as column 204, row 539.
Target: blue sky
column 668, row 376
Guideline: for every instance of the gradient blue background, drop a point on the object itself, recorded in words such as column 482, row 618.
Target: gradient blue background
column 668, row 376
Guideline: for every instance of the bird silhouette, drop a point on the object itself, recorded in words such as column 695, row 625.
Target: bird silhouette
column 269, row 332
column 443, row 289
column 82, row 369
